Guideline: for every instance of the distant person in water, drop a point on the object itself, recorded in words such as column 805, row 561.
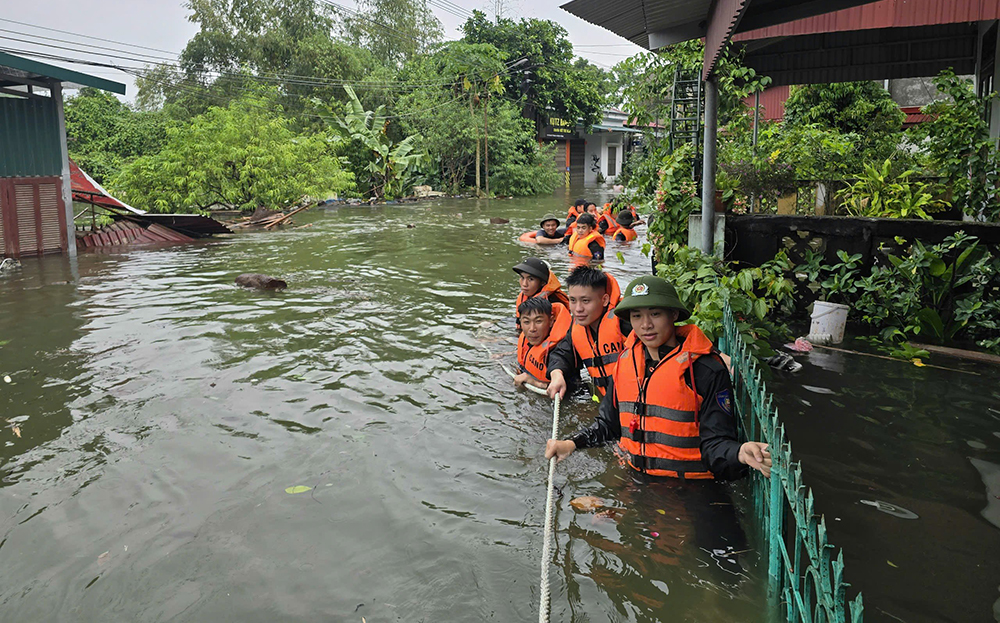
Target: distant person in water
column 586, row 242
column 536, row 280
column 550, row 233
column 543, row 325
column 669, row 403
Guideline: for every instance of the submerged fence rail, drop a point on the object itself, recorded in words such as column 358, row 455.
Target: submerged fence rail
column 805, row 580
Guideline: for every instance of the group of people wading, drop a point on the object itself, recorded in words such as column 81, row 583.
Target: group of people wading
column 587, row 229
column 664, row 389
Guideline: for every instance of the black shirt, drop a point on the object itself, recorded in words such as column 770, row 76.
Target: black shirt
column 720, row 445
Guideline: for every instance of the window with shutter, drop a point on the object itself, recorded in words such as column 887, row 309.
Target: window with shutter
column 48, row 203
column 24, row 206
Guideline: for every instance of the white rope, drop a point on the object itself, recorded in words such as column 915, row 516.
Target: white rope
column 543, row 606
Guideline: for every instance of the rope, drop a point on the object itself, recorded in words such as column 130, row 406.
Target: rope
column 543, row 606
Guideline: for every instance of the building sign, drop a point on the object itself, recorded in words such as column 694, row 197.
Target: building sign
column 552, row 127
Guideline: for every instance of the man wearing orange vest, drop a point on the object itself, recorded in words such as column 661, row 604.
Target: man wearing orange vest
column 543, row 325
column 585, row 242
column 535, row 279
column 575, row 210
column 669, row 406
column 598, row 334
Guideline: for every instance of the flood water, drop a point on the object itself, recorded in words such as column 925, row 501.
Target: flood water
column 163, row 413
column 922, row 439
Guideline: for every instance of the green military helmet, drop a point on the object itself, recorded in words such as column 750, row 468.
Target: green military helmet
column 550, row 217
column 652, row 291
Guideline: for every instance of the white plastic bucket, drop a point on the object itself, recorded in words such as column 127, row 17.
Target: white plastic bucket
column 829, row 318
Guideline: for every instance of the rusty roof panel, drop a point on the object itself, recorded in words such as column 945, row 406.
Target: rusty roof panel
column 883, row 14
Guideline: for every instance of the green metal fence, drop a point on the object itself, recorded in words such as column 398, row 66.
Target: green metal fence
column 805, row 579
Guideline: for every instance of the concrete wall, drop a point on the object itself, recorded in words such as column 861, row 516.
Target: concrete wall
column 597, row 147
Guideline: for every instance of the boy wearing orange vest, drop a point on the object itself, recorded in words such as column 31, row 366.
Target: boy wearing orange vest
column 598, row 334
column 535, row 279
column 670, row 403
column 543, row 325
column 625, row 233
column 585, row 242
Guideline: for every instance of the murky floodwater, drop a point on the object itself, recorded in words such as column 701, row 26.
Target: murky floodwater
column 921, row 439
column 163, row 412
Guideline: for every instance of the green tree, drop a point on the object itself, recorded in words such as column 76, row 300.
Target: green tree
column 862, row 108
column 385, row 167
column 103, row 133
column 244, row 155
column 957, row 144
column 394, row 31
column 292, row 44
column 557, row 84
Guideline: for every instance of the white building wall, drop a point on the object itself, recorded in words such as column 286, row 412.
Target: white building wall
column 597, row 146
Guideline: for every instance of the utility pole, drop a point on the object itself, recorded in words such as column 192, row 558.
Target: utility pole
column 472, row 112
column 486, row 141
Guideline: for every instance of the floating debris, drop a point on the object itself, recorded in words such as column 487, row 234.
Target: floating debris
column 297, row 489
column 587, row 503
column 6, row 379
column 891, row 509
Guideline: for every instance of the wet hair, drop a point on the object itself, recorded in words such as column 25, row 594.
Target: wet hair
column 535, row 305
column 586, row 219
column 591, row 203
column 588, row 277
column 580, row 202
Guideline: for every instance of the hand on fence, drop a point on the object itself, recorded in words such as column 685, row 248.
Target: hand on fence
column 755, row 455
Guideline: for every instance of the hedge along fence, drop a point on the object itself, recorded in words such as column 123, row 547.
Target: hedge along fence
column 805, row 580
column 754, row 239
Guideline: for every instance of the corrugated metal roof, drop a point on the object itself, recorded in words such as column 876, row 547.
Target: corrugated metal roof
column 883, row 14
column 635, row 19
column 20, row 67
column 866, row 54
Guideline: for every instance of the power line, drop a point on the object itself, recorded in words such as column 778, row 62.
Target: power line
column 65, row 32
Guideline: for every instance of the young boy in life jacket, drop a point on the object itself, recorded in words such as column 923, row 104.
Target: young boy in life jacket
column 625, row 231
column 550, row 233
column 598, row 333
column 585, row 242
column 535, row 279
column 543, row 325
column 669, row 406
column 578, row 208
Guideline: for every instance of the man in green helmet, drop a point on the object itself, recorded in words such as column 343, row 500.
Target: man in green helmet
column 669, row 405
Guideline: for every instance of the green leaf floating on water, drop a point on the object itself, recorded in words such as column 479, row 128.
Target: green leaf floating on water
column 298, row 489
column 621, row 257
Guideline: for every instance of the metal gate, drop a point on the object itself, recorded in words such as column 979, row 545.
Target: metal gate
column 577, row 162
column 32, row 216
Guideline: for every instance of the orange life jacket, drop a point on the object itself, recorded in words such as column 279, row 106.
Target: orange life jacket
column 612, row 224
column 660, row 432
column 553, row 290
column 573, row 211
column 535, row 359
column 580, row 247
column 627, row 233
column 600, row 356
column 635, row 215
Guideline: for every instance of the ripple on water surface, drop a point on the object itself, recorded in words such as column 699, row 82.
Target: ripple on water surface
column 165, row 412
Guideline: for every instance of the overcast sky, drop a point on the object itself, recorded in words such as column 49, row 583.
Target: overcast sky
column 163, row 25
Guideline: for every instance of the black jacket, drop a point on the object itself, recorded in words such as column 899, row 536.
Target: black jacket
column 564, row 357
column 720, row 445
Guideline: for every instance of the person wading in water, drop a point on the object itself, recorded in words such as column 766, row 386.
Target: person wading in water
column 669, row 402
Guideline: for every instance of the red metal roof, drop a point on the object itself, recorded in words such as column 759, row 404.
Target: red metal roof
column 87, row 190
column 883, row 14
column 772, row 102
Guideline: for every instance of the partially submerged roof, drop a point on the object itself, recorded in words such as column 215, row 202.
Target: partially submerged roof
column 17, row 70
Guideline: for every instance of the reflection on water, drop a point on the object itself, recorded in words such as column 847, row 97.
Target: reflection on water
column 164, row 412
column 890, row 436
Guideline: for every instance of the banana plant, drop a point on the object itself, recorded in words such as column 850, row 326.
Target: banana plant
column 392, row 165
